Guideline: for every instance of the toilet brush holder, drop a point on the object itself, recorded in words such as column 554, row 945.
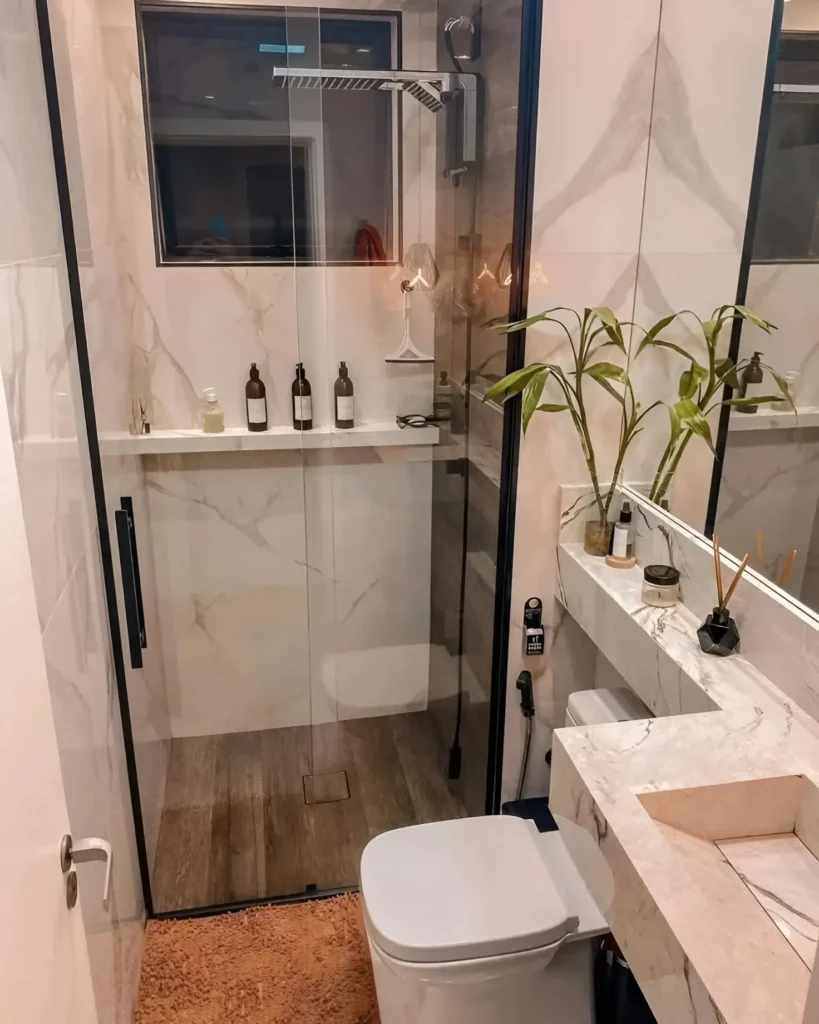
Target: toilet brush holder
column 719, row 634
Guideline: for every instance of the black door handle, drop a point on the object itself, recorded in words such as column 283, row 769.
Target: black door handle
column 130, row 592
column 127, row 505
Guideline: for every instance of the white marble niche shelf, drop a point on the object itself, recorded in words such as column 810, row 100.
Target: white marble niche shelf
column 239, row 439
column 655, row 649
column 769, row 418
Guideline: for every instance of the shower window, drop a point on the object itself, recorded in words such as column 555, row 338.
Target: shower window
column 242, row 173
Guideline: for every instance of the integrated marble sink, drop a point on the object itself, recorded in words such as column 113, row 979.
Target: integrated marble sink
column 752, row 850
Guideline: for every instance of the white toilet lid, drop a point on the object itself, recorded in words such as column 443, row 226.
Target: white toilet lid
column 461, row 890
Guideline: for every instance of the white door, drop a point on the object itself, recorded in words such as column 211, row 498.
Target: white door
column 44, row 970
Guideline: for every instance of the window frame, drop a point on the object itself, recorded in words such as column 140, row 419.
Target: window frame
column 316, row 183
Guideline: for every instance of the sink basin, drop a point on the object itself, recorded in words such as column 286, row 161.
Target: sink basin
column 747, row 855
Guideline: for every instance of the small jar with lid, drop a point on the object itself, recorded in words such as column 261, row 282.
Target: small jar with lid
column 661, row 586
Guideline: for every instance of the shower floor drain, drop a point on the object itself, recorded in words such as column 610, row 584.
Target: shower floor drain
column 325, row 788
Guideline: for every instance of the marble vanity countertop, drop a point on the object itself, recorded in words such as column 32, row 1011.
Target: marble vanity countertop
column 679, row 938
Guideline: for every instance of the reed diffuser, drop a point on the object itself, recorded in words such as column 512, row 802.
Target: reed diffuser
column 719, row 633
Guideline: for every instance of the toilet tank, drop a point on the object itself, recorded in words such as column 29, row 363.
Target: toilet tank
column 598, row 707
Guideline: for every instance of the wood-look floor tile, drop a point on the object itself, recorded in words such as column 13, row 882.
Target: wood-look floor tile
column 237, row 835
column 290, row 863
column 420, row 757
column 384, row 795
column 236, row 825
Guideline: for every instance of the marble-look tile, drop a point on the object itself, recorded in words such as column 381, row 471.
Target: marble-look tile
column 147, row 691
column 704, row 126
column 590, row 179
column 784, row 876
column 37, row 362
column 550, row 454
column 89, row 736
column 31, row 225
column 769, row 484
column 250, row 552
column 187, row 328
column 780, row 638
column 786, row 294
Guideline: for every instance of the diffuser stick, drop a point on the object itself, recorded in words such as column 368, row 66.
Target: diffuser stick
column 786, row 572
column 734, row 582
column 718, row 571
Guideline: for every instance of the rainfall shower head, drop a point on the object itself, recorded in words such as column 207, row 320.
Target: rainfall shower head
column 427, row 87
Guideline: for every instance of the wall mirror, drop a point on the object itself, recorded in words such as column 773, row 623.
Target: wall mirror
column 731, row 215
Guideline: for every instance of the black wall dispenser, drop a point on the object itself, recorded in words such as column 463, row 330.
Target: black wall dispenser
column 534, row 635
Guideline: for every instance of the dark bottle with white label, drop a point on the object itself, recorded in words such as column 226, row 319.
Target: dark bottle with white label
column 343, row 390
column 750, row 384
column 302, row 400
column 256, row 401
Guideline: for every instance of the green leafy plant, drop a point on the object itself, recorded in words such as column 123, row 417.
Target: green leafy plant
column 599, row 329
column 699, row 386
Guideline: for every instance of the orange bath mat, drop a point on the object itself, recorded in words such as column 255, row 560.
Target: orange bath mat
column 303, row 963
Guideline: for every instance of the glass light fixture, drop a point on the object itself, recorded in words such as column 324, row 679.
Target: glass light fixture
column 422, row 275
column 503, row 275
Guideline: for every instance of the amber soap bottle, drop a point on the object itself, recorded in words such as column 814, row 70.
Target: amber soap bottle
column 302, row 400
column 256, row 401
column 343, row 389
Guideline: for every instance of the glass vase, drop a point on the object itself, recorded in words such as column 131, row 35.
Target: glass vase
column 597, row 537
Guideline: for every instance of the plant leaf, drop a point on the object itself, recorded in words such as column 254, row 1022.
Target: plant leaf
column 726, row 371
column 531, row 396
column 651, row 334
column 690, row 379
column 691, row 417
column 748, row 314
column 512, row 383
column 521, row 325
column 611, row 325
column 676, row 426
column 783, row 386
column 552, row 407
column 711, row 330
column 608, row 370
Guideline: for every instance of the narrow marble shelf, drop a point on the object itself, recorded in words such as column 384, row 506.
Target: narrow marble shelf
column 237, row 439
column 654, row 649
column 775, row 419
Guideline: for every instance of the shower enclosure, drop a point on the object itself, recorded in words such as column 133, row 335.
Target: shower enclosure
column 307, row 615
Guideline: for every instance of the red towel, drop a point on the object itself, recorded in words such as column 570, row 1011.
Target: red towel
column 368, row 245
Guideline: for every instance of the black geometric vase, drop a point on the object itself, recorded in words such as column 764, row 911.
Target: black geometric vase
column 719, row 634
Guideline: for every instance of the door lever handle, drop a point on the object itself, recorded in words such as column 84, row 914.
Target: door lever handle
column 72, row 853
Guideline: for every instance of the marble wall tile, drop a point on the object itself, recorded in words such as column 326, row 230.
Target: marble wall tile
column 780, row 638
column 31, row 223
column 769, row 484
column 710, row 71
column 39, row 371
column 703, row 138
column 289, row 592
column 786, row 294
column 89, row 736
column 597, row 79
column 187, row 328
column 550, row 454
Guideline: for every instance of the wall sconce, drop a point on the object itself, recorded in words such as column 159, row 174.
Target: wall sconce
column 421, row 275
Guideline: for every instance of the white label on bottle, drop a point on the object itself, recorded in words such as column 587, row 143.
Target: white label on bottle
column 619, row 545
column 302, row 407
column 755, row 390
column 256, row 410
column 345, row 407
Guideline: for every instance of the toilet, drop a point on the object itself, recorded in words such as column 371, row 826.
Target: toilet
column 484, row 920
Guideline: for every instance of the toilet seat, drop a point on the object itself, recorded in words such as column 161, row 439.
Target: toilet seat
column 463, row 890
